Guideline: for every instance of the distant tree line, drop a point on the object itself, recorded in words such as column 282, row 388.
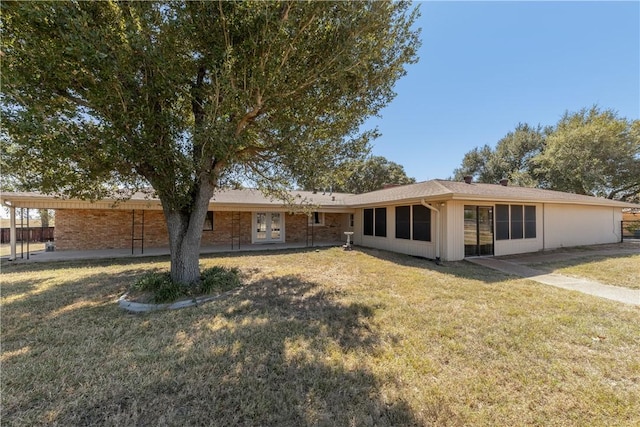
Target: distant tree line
column 591, row 151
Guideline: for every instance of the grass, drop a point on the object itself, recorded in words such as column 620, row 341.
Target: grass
column 5, row 248
column 316, row 338
column 615, row 270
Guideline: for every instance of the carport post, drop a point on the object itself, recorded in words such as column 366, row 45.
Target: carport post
column 12, row 232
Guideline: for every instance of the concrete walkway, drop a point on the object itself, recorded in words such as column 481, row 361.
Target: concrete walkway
column 43, row 256
column 616, row 293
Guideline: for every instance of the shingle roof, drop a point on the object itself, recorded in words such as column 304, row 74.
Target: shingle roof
column 428, row 190
column 446, row 190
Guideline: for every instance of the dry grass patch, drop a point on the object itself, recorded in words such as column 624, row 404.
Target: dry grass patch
column 5, row 248
column 316, row 338
column 615, row 270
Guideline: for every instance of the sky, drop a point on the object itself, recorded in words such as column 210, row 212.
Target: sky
column 486, row 66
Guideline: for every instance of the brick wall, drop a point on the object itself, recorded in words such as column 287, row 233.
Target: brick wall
column 85, row 229
column 332, row 230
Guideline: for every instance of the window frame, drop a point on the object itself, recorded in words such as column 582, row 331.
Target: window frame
column 208, row 222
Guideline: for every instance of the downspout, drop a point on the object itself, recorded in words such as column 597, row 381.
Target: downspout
column 426, row 205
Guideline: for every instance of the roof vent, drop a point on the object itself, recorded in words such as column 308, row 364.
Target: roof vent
column 504, row 182
column 468, row 179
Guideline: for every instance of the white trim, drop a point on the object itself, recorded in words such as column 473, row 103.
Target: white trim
column 254, row 231
column 311, row 219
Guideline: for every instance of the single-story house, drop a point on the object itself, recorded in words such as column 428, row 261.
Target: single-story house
column 435, row 219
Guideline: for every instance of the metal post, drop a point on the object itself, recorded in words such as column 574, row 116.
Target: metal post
column 28, row 233
column 12, row 232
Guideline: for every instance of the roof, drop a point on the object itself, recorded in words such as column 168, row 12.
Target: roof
column 457, row 190
column 248, row 199
column 244, row 199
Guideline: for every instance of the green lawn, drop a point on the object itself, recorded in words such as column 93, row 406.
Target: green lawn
column 316, row 338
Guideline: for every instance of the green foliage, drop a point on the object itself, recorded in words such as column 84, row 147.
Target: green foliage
column 591, row 151
column 511, row 159
column 161, row 286
column 361, row 176
column 213, row 280
column 104, row 98
column 219, row 279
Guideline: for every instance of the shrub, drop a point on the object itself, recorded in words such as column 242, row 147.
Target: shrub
column 219, row 279
column 161, row 286
column 212, row 280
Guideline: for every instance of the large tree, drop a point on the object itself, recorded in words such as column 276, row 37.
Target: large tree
column 104, row 98
column 361, row 176
column 511, row 159
column 591, row 151
column 594, row 152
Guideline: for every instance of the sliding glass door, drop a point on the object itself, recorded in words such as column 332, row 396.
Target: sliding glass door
column 478, row 230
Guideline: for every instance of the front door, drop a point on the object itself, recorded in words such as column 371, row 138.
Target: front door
column 268, row 227
column 478, row 230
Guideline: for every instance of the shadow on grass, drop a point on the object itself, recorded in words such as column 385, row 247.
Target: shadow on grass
column 281, row 351
column 459, row 269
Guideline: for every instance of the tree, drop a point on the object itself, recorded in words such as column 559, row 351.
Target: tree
column 511, row 159
column 592, row 152
column 361, row 175
column 104, row 98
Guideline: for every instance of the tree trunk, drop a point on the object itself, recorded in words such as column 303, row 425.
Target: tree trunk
column 185, row 232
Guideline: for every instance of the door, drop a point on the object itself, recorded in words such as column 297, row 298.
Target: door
column 268, row 227
column 478, row 230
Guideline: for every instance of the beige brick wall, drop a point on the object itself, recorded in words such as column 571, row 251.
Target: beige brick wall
column 85, row 229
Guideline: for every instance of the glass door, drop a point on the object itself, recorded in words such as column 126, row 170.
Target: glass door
column 267, row 227
column 478, row 230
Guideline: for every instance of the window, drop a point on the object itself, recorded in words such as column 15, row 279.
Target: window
column 208, row 222
column 381, row 222
column 517, row 222
column 368, row 222
column 316, row 218
column 529, row 222
column 421, row 223
column 403, row 222
column 375, row 222
column 502, row 222
column 351, row 220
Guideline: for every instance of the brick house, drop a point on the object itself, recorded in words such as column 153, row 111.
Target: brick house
column 434, row 219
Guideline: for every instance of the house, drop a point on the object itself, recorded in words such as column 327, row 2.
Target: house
column 434, row 219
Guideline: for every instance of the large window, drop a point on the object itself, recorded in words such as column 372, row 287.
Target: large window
column 502, row 222
column 403, row 222
column 421, row 223
column 368, row 222
column 381, row 222
column 413, row 222
column 529, row 222
column 375, row 222
column 515, row 222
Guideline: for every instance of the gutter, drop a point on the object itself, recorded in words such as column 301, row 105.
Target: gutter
column 426, row 205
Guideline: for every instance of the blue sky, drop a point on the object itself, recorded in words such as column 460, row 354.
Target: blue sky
column 487, row 66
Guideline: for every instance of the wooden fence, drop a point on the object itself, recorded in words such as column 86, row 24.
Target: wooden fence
column 30, row 234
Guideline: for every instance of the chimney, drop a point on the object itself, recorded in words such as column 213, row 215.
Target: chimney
column 468, row 179
column 504, row 182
